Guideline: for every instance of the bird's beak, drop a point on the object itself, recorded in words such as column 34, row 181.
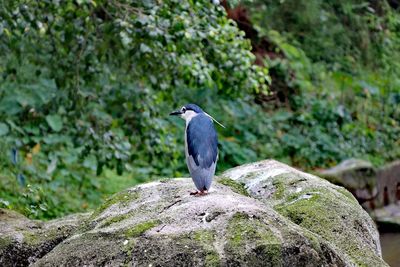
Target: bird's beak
column 174, row 113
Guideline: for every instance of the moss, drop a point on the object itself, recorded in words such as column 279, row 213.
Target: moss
column 5, row 242
column 31, row 238
column 85, row 226
column 205, row 242
column 45, row 236
column 313, row 239
column 115, row 219
column 204, row 236
column 212, row 259
column 283, row 181
column 140, row 228
column 206, row 239
column 244, row 231
column 279, row 188
column 347, row 194
column 242, row 226
column 121, row 198
column 307, row 211
column 235, row 186
column 330, row 216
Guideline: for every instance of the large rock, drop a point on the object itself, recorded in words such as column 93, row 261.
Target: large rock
column 23, row 241
column 358, row 176
column 329, row 211
column 387, row 218
column 378, row 190
column 261, row 214
column 389, row 184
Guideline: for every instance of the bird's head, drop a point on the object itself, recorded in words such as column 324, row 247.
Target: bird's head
column 187, row 112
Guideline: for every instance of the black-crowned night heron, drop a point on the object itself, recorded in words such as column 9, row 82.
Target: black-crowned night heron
column 201, row 146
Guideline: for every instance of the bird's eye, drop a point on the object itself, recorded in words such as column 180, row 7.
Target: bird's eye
column 183, row 109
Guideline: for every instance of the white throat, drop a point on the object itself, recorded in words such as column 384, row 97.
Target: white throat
column 188, row 115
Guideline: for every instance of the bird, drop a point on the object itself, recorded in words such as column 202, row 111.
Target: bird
column 201, row 146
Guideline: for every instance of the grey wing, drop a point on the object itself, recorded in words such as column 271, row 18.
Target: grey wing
column 202, row 177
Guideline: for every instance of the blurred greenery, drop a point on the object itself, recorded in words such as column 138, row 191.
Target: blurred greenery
column 86, row 88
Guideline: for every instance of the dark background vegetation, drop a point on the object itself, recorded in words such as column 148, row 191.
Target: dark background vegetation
column 86, row 88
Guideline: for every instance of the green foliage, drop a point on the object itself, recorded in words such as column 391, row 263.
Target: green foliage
column 339, row 60
column 86, row 88
column 88, row 85
column 342, row 33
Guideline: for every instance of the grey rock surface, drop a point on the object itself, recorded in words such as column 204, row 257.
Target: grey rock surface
column 358, row 176
column 23, row 241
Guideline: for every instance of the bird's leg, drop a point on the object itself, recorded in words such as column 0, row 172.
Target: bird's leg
column 199, row 193
column 203, row 193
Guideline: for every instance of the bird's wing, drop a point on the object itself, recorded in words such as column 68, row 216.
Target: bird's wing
column 201, row 177
column 202, row 142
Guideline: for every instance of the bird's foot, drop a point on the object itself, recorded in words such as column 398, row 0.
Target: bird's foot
column 199, row 193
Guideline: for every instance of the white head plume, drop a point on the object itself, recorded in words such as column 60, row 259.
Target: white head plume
column 214, row 120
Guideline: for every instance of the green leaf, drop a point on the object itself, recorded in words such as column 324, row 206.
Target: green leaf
column 3, row 129
column 9, row 105
column 90, row 162
column 55, row 122
column 144, row 48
